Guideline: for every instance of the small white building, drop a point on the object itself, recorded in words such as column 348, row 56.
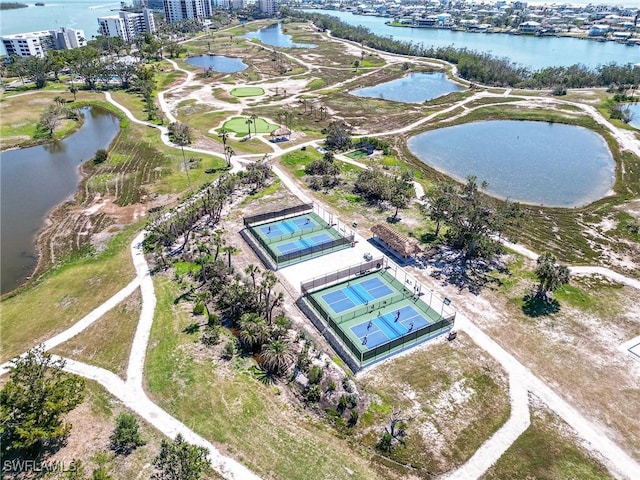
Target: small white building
column 529, row 27
column 599, row 30
column 36, row 44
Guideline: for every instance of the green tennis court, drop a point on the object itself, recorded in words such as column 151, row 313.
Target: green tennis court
column 376, row 316
column 240, row 126
column 247, row 92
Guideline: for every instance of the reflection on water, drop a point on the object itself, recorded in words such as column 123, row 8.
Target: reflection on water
column 532, row 162
column 414, row 88
column 274, row 36
column 217, row 63
column 34, row 180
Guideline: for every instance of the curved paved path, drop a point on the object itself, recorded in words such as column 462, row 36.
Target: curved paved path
column 521, row 380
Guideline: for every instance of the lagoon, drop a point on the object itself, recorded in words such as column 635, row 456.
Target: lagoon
column 34, row 180
column 530, row 162
column 634, row 109
column 414, row 88
column 530, row 51
column 217, row 63
column 275, row 37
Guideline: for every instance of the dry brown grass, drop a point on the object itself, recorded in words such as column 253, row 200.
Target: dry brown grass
column 107, row 343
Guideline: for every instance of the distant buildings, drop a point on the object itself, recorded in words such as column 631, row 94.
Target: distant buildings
column 36, row 44
column 177, row 10
column 230, row 4
column 127, row 25
column 268, row 7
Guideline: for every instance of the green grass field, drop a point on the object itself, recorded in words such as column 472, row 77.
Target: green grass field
column 247, row 92
column 240, row 126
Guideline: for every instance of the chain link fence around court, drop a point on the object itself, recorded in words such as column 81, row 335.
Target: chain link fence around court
column 381, row 351
column 334, row 277
column 286, row 236
column 325, row 247
column 285, row 212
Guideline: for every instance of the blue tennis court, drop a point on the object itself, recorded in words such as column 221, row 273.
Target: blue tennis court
column 289, row 226
column 355, row 294
column 384, row 328
column 303, row 243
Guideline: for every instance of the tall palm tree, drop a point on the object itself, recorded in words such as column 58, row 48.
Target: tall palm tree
column 254, row 119
column 224, row 134
column 252, row 270
column 269, row 281
column 182, row 136
column 228, row 153
column 249, row 122
column 277, row 356
column 279, row 300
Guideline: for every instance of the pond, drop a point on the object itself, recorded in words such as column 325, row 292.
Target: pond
column 414, row 88
column 274, row 36
column 634, row 110
column 217, row 63
column 531, row 162
column 34, row 180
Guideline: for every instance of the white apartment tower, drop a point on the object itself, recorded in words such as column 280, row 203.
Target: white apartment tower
column 268, row 7
column 176, row 10
column 36, row 44
column 127, row 25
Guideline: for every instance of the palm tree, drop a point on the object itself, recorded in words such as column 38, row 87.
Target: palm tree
column 279, row 300
column 60, row 101
column 228, row 153
column 254, row 119
column 254, row 331
column 252, row 270
column 277, row 356
column 224, row 134
column 230, row 249
column 182, row 136
column 269, row 281
column 249, row 122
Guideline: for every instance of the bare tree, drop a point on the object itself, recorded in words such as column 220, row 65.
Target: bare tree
column 49, row 120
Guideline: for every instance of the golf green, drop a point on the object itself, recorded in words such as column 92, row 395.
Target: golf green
column 240, row 126
column 247, row 92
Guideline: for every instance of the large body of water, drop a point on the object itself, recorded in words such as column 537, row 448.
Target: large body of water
column 217, row 63
column 81, row 14
column 531, row 51
column 414, row 88
column 34, row 180
column 531, row 162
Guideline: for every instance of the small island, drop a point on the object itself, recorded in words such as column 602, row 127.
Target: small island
column 12, row 5
column 39, row 4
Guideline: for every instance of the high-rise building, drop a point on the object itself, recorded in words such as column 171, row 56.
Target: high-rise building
column 127, row 25
column 176, row 10
column 268, row 7
column 36, row 44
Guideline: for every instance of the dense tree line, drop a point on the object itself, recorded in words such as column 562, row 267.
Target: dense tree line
column 482, row 67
